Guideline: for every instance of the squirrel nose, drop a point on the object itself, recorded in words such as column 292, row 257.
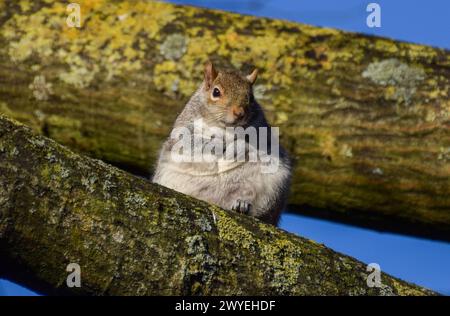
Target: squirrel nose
column 238, row 112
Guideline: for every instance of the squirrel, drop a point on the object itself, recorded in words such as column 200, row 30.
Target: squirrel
column 225, row 99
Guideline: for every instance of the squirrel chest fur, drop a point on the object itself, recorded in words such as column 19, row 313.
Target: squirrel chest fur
column 218, row 168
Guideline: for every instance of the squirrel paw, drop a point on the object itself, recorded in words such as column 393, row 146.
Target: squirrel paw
column 241, row 206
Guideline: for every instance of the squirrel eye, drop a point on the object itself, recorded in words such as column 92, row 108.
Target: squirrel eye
column 216, row 93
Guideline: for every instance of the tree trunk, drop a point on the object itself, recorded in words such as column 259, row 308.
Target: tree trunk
column 366, row 119
column 132, row 237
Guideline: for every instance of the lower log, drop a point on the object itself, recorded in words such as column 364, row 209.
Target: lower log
column 132, row 237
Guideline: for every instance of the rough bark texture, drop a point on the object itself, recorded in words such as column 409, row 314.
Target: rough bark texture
column 132, row 237
column 366, row 119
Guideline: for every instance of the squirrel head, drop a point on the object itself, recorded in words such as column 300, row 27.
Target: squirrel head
column 228, row 95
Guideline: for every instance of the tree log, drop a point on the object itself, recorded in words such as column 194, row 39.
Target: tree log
column 133, row 237
column 366, row 119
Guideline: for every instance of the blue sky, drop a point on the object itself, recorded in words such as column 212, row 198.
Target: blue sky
column 419, row 21
column 417, row 260
column 420, row 261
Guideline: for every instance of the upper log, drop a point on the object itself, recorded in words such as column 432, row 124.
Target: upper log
column 133, row 237
column 366, row 119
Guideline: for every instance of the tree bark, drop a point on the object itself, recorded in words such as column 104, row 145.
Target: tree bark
column 133, row 237
column 366, row 119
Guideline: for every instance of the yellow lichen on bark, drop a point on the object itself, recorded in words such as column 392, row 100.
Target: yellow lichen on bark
column 365, row 119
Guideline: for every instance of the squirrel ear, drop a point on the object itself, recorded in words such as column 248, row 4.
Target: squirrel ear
column 210, row 74
column 252, row 77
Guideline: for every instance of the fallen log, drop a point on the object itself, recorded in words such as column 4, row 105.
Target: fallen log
column 133, row 237
column 365, row 118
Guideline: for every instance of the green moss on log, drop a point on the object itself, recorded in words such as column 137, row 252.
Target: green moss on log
column 132, row 237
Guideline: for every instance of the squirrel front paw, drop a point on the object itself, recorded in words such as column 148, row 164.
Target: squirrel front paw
column 241, row 206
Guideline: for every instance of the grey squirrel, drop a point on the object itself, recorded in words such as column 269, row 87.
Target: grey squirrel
column 225, row 99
